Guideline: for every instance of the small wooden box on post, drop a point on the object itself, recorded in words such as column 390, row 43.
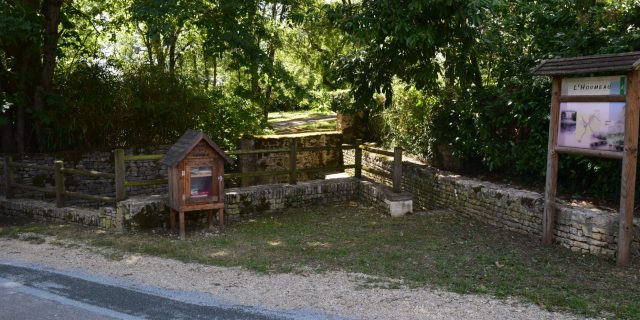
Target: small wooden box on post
column 595, row 114
column 196, row 170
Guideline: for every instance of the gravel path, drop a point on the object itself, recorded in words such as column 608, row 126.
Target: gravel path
column 333, row 293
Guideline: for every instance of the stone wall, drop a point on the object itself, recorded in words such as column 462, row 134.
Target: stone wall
column 98, row 161
column 150, row 211
column 582, row 229
column 280, row 161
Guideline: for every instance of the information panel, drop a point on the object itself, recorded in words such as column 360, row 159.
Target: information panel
column 592, row 125
column 594, row 86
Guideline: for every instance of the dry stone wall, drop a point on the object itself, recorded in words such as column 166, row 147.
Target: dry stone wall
column 150, row 211
column 98, row 161
column 579, row 228
column 280, row 161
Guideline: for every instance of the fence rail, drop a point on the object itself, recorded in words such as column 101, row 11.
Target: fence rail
column 121, row 182
column 59, row 189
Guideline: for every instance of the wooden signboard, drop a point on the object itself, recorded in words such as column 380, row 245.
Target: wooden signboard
column 594, row 116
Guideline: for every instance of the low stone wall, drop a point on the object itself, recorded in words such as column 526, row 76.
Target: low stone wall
column 280, row 161
column 40, row 210
column 582, row 229
column 151, row 211
column 98, row 161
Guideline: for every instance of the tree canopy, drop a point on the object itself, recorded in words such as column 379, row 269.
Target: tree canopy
column 435, row 76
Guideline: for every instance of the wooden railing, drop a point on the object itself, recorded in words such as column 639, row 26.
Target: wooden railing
column 121, row 182
column 396, row 170
column 59, row 189
column 292, row 171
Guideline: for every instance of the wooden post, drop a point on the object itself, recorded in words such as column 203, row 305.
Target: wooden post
column 247, row 161
column 358, row 160
column 629, row 159
column 548, row 219
column 120, row 170
column 293, row 175
column 397, row 170
column 8, row 178
column 183, row 234
column 222, row 200
column 210, row 218
column 59, row 178
column 221, row 220
column 172, row 219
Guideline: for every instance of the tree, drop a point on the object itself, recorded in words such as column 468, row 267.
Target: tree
column 28, row 51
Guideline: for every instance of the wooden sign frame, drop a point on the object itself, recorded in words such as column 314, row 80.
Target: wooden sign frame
column 628, row 156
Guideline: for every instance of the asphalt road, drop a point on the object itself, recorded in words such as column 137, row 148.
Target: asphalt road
column 35, row 292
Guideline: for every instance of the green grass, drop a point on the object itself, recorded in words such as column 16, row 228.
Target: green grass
column 442, row 250
column 302, row 121
column 292, row 115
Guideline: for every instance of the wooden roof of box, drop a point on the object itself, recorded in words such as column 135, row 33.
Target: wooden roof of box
column 627, row 61
column 183, row 146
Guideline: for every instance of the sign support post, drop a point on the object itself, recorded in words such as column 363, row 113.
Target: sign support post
column 629, row 159
column 548, row 219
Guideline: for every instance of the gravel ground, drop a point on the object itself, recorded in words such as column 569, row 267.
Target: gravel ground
column 333, row 293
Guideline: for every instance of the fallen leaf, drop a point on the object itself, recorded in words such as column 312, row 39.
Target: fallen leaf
column 499, row 265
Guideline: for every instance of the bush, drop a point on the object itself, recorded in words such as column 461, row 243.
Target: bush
column 94, row 108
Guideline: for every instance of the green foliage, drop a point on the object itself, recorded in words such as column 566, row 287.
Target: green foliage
column 500, row 120
column 143, row 106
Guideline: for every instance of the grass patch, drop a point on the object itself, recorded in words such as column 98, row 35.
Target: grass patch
column 301, row 114
column 440, row 250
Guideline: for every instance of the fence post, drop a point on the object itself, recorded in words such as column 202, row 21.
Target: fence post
column 8, row 179
column 59, row 178
column 397, row 170
column 121, row 191
column 358, row 159
column 293, row 175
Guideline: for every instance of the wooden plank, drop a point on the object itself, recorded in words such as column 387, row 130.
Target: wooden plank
column 31, row 166
column 59, row 178
column 551, row 184
column 88, row 173
column 396, row 172
column 121, row 175
column 89, row 196
column 377, row 151
column 588, row 152
column 144, row 183
column 323, row 148
column 32, row 188
column 612, row 98
column 239, row 152
column 293, row 175
column 377, row 172
column 143, row 157
column 204, row 206
column 628, row 183
column 358, row 160
column 583, row 71
column 255, row 174
column 320, row 169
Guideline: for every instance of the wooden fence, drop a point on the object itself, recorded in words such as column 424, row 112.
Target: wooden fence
column 59, row 189
column 121, row 182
